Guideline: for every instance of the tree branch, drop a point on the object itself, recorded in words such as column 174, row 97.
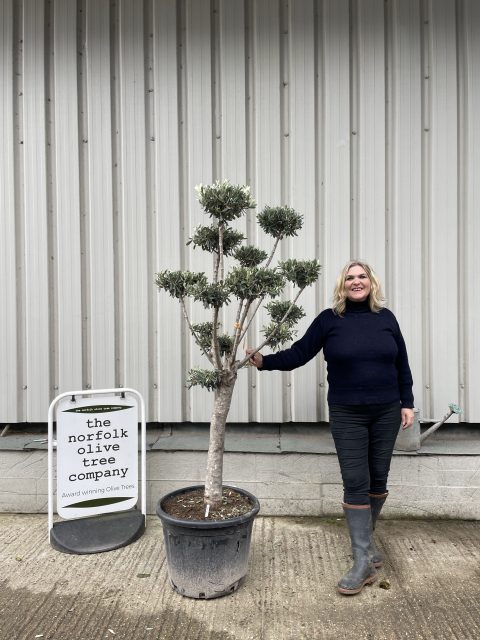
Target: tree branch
column 273, row 251
column 239, row 336
column 192, row 331
column 218, row 264
column 241, row 331
column 238, row 330
column 251, row 318
column 243, row 362
column 217, row 276
column 215, row 347
column 221, row 229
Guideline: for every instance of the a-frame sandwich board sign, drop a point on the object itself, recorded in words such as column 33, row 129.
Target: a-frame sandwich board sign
column 97, row 470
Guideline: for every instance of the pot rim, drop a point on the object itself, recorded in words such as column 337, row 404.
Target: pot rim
column 208, row 524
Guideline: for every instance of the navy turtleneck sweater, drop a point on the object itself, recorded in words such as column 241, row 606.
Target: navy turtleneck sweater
column 366, row 357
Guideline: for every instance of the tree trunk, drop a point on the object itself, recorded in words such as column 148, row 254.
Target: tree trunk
column 214, row 479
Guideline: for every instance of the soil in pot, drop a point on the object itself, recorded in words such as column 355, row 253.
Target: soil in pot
column 191, row 506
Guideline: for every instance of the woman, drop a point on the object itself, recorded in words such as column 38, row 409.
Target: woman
column 370, row 395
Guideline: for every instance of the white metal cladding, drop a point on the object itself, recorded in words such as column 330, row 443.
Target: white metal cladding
column 362, row 115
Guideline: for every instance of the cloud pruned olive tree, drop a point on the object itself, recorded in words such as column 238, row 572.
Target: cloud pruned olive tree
column 250, row 283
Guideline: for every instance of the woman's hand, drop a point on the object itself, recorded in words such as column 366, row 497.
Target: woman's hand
column 256, row 360
column 407, row 418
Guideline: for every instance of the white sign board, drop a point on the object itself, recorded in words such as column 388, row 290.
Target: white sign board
column 97, row 455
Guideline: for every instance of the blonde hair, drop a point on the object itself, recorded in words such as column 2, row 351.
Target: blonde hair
column 375, row 299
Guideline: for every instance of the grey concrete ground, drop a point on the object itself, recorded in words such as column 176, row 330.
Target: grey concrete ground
column 429, row 587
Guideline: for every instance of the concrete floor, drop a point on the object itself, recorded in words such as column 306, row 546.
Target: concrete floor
column 428, row 589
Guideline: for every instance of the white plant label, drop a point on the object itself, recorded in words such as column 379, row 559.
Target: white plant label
column 97, row 455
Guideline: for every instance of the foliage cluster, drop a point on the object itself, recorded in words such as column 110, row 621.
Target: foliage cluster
column 250, row 282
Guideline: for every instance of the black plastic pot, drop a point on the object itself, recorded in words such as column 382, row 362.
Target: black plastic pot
column 207, row 558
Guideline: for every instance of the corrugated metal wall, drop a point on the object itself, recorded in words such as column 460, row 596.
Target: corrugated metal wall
column 361, row 114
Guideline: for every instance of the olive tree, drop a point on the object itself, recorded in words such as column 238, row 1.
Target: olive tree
column 252, row 282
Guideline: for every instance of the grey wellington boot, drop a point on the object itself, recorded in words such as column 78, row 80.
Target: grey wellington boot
column 363, row 572
column 376, row 504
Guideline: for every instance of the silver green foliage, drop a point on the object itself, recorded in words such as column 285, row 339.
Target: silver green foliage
column 180, row 284
column 208, row 239
column 280, row 222
column 284, row 315
column 213, row 295
column 278, row 310
column 207, row 378
column 278, row 334
column 204, row 334
column 247, row 282
column 225, row 344
column 225, row 201
column 302, row 273
column 250, row 256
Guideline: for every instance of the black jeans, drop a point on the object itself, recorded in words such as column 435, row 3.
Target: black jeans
column 364, row 439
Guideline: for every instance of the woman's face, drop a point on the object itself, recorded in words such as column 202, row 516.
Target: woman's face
column 357, row 284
